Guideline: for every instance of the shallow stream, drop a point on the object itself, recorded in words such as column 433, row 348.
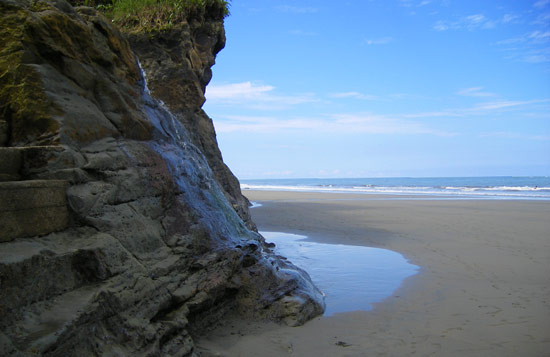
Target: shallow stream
column 351, row 277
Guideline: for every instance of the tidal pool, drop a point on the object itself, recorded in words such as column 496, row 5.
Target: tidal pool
column 351, row 277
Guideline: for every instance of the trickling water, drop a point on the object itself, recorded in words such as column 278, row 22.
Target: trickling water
column 207, row 204
column 255, row 204
column 351, row 277
column 190, row 169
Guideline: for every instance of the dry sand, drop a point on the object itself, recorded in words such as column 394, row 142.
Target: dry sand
column 483, row 288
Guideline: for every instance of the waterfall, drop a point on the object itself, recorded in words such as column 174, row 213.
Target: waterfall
column 190, row 169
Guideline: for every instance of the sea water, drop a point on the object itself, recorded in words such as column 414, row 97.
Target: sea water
column 537, row 188
column 351, row 277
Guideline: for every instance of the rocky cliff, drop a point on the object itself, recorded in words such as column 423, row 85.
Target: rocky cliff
column 121, row 229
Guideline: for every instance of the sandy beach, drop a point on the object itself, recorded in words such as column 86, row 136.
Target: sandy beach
column 483, row 288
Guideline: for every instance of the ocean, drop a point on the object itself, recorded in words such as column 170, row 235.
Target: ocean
column 501, row 187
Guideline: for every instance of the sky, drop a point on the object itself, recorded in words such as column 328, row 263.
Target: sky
column 384, row 88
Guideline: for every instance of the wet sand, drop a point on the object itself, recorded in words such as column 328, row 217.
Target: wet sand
column 483, row 288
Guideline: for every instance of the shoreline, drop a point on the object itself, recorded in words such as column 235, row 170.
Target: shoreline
column 482, row 288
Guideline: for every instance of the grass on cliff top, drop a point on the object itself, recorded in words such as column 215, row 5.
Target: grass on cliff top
column 158, row 15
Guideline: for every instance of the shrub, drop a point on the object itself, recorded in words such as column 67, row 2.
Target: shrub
column 158, row 15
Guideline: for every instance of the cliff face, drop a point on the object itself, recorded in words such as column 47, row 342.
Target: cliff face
column 121, row 229
column 177, row 63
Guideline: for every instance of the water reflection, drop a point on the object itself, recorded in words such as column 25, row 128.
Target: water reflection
column 352, row 277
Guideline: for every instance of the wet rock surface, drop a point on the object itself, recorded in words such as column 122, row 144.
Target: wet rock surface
column 178, row 66
column 157, row 243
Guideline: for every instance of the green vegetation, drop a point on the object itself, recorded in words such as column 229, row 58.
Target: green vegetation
column 158, row 15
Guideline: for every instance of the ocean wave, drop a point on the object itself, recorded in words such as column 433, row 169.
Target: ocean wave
column 499, row 188
column 526, row 192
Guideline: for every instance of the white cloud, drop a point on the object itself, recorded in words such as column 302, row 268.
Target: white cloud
column 509, row 18
column 412, row 3
column 479, row 109
column 511, row 41
column 505, row 104
column 533, row 37
column 475, row 19
column 338, row 123
column 537, row 58
column 379, row 41
column 471, row 23
column 250, row 95
column 441, row 26
column 475, row 92
column 531, row 47
column 265, row 124
column 354, row 95
column 379, row 124
column 539, row 35
column 243, row 90
column 542, row 19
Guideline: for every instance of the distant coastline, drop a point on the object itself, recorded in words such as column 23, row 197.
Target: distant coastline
column 498, row 187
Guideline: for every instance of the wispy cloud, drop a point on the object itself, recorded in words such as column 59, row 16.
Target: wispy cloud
column 442, row 26
column 470, row 23
column 541, row 3
column 256, row 96
column 381, row 124
column 379, row 41
column 542, row 19
column 475, row 20
column 266, row 124
column 542, row 56
column 514, row 135
column 507, row 18
column 243, row 90
column 540, row 35
column 475, row 92
column 531, row 47
column 532, row 37
column 506, row 104
column 336, row 123
column 355, row 95
column 297, row 9
column 415, row 3
column 485, row 108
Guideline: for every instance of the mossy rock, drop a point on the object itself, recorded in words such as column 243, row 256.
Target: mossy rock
column 66, row 76
column 23, row 103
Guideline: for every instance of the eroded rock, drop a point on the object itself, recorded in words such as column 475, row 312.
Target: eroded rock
column 157, row 244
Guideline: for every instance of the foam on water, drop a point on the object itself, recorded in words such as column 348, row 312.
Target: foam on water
column 255, row 204
column 537, row 188
column 351, row 277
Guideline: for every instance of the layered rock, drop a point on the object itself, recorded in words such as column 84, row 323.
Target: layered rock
column 157, row 242
column 178, row 64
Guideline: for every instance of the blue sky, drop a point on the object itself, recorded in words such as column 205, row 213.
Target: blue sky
column 384, row 88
